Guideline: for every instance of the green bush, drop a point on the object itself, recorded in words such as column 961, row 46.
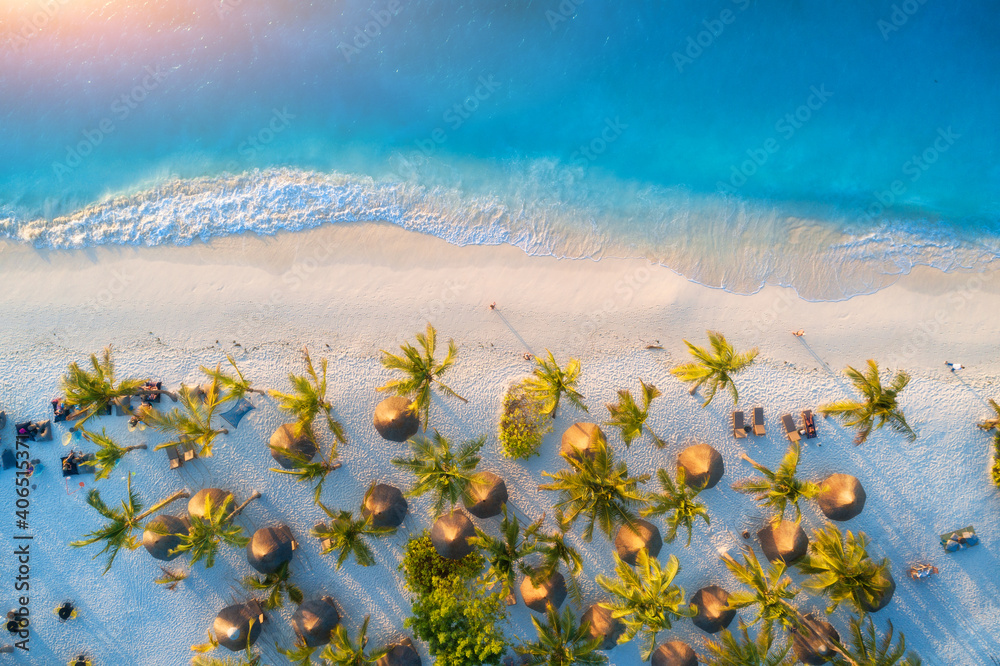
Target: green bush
column 522, row 424
column 460, row 622
column 422, row 564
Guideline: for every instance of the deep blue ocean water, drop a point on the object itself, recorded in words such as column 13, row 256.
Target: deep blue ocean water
column 825, row 146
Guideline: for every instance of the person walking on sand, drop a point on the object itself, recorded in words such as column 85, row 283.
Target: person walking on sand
column 799, row 333
column 954, row 366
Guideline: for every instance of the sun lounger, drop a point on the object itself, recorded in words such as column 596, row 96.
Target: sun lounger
column 123, row 406
column 3, row 419
column 810, row 424
column 790, row 430
column 739, row 430
column 758, row 421
column 959, row 539
column 236, row 414
column 190, row 452
column 175, row 457
column 44, row 432
column 7, row 459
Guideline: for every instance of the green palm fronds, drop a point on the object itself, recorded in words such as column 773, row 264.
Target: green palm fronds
column 838, row 566
column 171, row 577
column 993, row 423
column 439, row 471
column 191, row 423
column 420, row 372
column 108, row 453
column 771, row 591
column 309, row 471
column 344, row 536
column 645, row 599
column 867, row 649
column 878, row 408
column 628, row 417
column 678, row 501
column 740, row 650
column 550, row 382
column 299, row 654
column 780, row 488
column 599, row 489
column 342, row 651
column 505, row 553
column 562, row 642
column 234, row 386
column 714, row 368
column 205, row 535
column 277, row 585
column 92, row 391
column 308, row 401
column 555, row 553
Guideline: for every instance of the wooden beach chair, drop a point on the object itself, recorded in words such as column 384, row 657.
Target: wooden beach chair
column 189, row 450
column 739, row 429
column 810, row 424
column 758, row 422
column 791, row 431
column 174, row 456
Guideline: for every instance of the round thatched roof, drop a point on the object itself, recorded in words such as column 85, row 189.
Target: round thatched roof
column 238, row 625
column 810, row 641
column 287, row 438
column 702, row 465
column 841, row 497
column 487, row 497
column 270, row 547
column 314, row 619
column 883, row 600
column 713, row 615
column 785, row 541
column 450, row 535
column 674, row 653
column 162, row 536
column 550, row 591
column 580, row 439
column 603, row 626
column 629, row 542
column 385, row 505
column 395, row 421
column 196, row 505
column 402, row 654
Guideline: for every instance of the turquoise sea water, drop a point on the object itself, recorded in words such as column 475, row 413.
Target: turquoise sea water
column 826, row 146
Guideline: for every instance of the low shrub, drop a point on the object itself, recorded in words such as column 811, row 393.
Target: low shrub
column 460, row 621
column 522, row 424
column 422, row 564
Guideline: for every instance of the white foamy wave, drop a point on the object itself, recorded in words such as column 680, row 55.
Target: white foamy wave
column 719, row 241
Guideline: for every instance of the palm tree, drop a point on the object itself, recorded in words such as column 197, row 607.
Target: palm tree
column 171, row 578
column 439, row 471
column 344, row 534
column 677, row 500
column 276, row 585
column 770, row 590
column 93, row 391
column 206, row 534
column 556, row 552
column 342, row 651
column 191, row 423
column 645, row 599
column 505, row 553
column 550, row 382
column 310, row 471
column 308, row 400
column 117, row 534
column 868, row 650
column 741, row 650
column 421, row 372
column 108, row 453
column 879, row 407
column 714, row 368
column 839, row 566
column 993, row 423
column 561, row 642
column 629, row 418
column 235, row 386
column 779, row 489
column 599, row 489
column 299, row 654
column 248, row 658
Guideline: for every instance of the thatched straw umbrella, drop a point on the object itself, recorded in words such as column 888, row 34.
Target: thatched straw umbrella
column 603, row 626
column 883, row 600
column 314, row 619
column 238, row 625
column 384, row 505
column 270, row 547
column 713, row 611
column 581, row 439
column 289, row 438
column 196, row 505
column 841, row 497
column 702, row 465
column 674, row 653
column 629, row 541
column 450, row 535
column 402, row 654
column 811, row 641
column 487, row 496
column 785, row 541
column 395, row 420
column 550, row 591
column 163, row 534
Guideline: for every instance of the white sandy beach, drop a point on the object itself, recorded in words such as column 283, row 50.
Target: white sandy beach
column 348, row 291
